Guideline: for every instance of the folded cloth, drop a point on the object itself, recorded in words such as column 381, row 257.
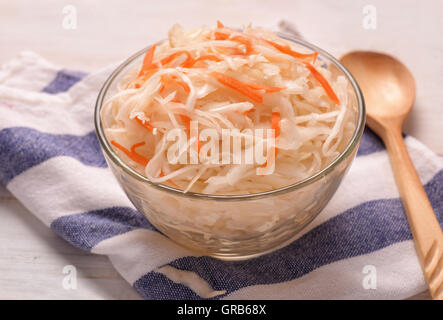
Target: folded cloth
column 359, row 247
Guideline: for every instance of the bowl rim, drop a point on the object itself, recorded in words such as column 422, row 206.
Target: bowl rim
column 353, row 143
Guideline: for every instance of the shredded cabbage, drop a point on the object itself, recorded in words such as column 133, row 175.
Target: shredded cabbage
column 187, row 79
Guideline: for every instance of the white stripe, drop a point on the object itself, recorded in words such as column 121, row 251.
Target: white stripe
column 398, row 276
column 27, row 71
column 69, row 112
column 60, row 120
column 140, row 251
column 62, row 186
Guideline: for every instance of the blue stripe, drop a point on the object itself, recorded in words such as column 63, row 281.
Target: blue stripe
column 22, row 148
column 159, row 287
column 369, row 143
column 64, row 79
column 363, row 229
column 85, row 230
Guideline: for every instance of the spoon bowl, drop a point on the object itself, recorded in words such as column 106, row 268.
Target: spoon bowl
column 388, row 87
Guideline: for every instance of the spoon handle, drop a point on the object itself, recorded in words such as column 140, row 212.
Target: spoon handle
column 425, row 228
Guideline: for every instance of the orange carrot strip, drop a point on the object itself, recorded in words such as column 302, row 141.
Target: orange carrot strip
column 315, row 56
column 245, row 113
column 132, row 154
column 144, row 123
column 324, row 83
column 145, row 75
column 168, row 59
column 220, row 35
column 240, row 39
column 166, row 79
column 258, row 86
column 237, row 85
column 147, row 61
column 287, row 50
column 138, row 157
column 219, row 24
column 125, row 151
column 135, row 146
column 184, row 85
column 204, row 58
column 142, row 77
column 275, row 123
column 245, row 42
column 186, row 121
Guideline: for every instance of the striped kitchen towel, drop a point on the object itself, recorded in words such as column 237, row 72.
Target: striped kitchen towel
column 359, row 247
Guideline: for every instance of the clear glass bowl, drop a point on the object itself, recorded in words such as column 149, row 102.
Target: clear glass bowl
column 203, row 222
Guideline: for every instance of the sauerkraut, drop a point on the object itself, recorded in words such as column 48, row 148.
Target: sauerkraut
column 222, row 78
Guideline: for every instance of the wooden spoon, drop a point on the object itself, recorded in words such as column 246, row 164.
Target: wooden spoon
column 389, row 92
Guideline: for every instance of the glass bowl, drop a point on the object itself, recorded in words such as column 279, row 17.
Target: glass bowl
column 204, row 223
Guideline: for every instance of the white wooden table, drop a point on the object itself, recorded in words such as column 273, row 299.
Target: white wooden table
column 31, row 256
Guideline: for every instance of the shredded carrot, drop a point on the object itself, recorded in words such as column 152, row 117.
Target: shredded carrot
column 233, row 50
column 184, row 85
column 168, row 59
column 147, row 61
column 219, row 24
column 204, row 58
column 135, row 146
column 218, row 35
column 186, row 121
column 238, row 86
column 246, row 42
column 144, row 123
column 287, row 50
column 132, row 154
column 275, row 123
column 147, row 73
column 267, row 89
column 167, row 79
column 324, row 83
column 315, row 56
